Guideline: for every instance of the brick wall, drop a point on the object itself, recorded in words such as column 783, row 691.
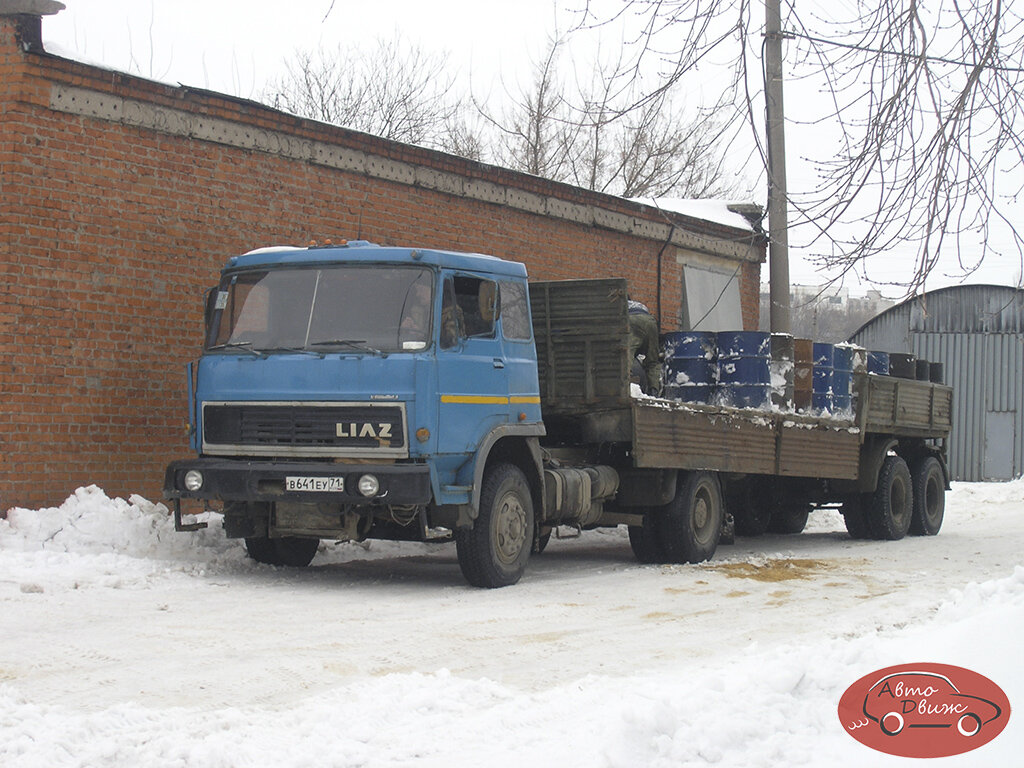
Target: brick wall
column 121, row 198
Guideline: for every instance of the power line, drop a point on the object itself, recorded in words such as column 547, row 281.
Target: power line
column 901, row 54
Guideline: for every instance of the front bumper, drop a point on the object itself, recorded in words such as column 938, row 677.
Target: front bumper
column 240, row 480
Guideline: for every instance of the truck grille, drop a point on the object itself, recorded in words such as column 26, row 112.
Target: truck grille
column 304, row 429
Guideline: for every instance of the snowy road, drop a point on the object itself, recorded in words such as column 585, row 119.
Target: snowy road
column 124, row 643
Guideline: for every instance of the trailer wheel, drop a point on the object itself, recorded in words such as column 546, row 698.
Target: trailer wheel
column 856, row 519
column 929, row 485
column 892, row 504
column 493, row 553
column 291, row 551
column 789, row 518
column 690, row 525
column 644, row 541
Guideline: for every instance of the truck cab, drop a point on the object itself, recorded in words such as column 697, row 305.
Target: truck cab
column 352, row 391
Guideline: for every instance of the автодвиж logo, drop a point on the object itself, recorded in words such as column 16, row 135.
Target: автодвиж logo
column 924, row 710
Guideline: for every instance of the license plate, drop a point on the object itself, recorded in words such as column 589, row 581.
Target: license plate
column 315, row 484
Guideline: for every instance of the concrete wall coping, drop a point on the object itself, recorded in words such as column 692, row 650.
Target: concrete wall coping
column 666, row 227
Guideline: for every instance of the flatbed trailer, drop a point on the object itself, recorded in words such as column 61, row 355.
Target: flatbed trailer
column 768, row 463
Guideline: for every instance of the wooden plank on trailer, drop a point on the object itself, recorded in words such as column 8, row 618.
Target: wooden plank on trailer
column 684, row 438
column 818, row 451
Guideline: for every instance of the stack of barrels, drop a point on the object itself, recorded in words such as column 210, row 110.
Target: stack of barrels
column 755, row 369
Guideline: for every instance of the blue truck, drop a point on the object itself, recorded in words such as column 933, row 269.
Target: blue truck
column 355, row 391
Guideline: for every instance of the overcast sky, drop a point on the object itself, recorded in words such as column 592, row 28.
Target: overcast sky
column 237, row 46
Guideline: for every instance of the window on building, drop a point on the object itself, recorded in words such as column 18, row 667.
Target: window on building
column 711, row 299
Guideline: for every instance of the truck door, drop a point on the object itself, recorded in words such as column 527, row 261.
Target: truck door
column 472, row 377
column 520, row 355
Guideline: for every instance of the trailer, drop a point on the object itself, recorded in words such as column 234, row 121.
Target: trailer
column 691, row 467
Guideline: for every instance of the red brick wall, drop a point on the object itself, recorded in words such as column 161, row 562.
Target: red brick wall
column 110, row 233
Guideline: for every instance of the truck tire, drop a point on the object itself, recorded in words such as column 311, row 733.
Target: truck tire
column 690, row 525
column 493, row 553
column 643, row 540
column 892, row 504
column 856, row 518
column 929, row 485
column 291, row 551
column 788, row 517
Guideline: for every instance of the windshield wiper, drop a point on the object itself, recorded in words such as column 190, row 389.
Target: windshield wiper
column 302, row 350
column 246, row 346
column 359, row 344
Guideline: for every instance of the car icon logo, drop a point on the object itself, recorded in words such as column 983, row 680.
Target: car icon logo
column 924, row 710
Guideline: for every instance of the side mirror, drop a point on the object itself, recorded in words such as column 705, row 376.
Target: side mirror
column 211, row 324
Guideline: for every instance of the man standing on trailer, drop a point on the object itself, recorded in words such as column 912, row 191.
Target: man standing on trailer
column 644, row 346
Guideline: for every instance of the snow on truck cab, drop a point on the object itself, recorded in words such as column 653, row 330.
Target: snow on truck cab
column 355, row 391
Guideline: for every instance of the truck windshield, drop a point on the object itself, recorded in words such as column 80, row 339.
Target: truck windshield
column 370, row 308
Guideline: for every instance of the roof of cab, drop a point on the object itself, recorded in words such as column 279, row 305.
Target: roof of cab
column 355, row 251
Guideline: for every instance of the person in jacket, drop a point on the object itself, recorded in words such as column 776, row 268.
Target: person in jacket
column 644, row 347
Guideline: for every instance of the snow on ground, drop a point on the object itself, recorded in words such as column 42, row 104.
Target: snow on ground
column 127, row 644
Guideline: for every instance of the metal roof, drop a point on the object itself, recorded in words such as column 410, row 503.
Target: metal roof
column 977, row 333
column 957, row 309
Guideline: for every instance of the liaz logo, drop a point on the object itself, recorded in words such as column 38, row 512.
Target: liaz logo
column 924, row 710
column 363, row 429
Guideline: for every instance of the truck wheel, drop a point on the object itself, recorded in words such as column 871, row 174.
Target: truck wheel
column 643, row 540
column 929, row 485
column 493, row 553
column 292, row 551
column 789, row 518
column 690, row 525
column 855, row 517
column 892, row 504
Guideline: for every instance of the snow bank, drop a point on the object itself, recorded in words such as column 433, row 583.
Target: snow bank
column 969, row 496
column 94, row 540
column 90, row 522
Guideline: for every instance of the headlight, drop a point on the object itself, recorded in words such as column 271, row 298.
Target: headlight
column 369, row 485
column 193, row 480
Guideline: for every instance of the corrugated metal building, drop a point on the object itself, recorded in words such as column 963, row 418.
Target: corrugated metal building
column 977, row 333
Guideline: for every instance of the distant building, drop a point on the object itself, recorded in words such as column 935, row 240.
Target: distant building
column 977, row 333
column 826, row 313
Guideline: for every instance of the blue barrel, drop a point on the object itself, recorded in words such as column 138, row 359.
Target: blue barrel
column 842, row 377
column 691, row 368
column 744, row 369
column 824, row 366
column 878, row 362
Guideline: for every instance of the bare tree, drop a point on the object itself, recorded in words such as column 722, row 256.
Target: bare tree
column 917, row 110
column 396, row 91
column 599, row 134
column 598, row 131
column 532, row 129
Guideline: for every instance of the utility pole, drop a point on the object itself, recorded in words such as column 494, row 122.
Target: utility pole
column 778, row 232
